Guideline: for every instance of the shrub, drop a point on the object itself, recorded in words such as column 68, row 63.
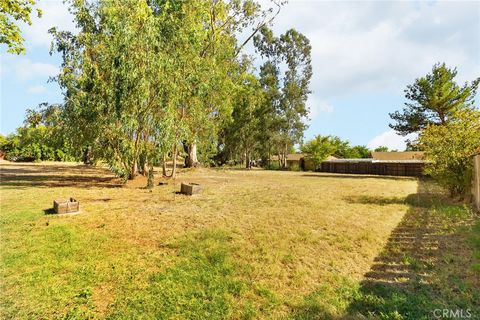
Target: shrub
column 294, row 167
column 449, row 150
column 273, row 165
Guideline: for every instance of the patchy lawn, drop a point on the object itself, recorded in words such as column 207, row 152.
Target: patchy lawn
column 255, row 244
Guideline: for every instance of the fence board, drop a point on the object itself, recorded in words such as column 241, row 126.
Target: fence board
column 382, row 168
column 476, row 181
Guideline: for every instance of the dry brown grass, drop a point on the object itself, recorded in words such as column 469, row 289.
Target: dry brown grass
column 292, row 231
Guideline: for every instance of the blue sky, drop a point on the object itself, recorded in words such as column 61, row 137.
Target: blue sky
column 364, row 55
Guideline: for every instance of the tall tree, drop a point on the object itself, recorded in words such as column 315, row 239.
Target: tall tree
column 12, row 11
column 211, row 40
column 433, row 99
column 243, row 133
column 290, row 53
column 267, row 113
column 114, row 95
column 144, row 77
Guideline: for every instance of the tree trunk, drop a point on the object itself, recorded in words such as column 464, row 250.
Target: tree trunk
column 285, row 157
column 87, row 156
column 174, row 156
column 134, row 170
column 174, row 169
column 247, row 160
column 145, row 169
column 164, row 166
column 150, row 181
column 192, row 160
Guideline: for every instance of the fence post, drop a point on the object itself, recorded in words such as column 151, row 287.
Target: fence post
column 476, row 181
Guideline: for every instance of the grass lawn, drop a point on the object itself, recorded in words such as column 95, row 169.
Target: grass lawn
column 255, row 244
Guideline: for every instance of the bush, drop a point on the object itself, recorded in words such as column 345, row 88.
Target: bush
column 34, row 144
column 294, row 167
column 273, row 165
column 449, row 150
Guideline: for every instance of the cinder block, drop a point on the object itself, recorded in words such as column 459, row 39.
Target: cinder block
column 66, row 206
column 190, row 188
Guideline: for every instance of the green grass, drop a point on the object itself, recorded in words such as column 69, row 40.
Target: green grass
column 202, row 283
column 475, row 242
column 439, row 277
column 255, row 245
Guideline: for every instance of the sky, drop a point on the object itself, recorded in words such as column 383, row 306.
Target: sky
column 364, row 54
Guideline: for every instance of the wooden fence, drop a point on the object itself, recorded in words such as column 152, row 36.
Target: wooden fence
column 414, row 169
column 476, row 181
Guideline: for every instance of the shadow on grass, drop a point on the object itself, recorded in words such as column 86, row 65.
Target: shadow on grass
column 49, row 211
column 355, row 176
column 423, row 199
column 428, row 263
column 27, row 175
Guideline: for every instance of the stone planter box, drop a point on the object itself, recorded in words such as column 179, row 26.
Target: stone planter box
column 66, row 206
column 190, row 188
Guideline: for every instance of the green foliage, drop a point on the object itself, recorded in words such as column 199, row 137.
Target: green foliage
column 41, row 138
column 113, row 75
column 243, row 132
column 381, row 149
column 143, row 77
column 355, row 152
column 449, row 149
column 12, row 11
column 320, row 147
column 475, row 241
column 434, row 100
column 285, row 78
column 34, row 144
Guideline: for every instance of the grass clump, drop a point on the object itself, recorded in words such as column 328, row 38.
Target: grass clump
column 202, row 283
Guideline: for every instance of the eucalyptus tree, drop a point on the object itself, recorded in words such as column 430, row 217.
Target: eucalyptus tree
column 141, row 78
column 243, row 132
column 290, row 53
column 110, row 76
column 267, row 113
column 204, row 41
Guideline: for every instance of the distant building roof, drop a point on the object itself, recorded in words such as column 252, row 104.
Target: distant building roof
column 295, row 156
column 298, row 156
column 407, row 155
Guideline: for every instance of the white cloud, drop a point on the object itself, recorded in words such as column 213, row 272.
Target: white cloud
column 24, row 69
column 318, row 107
column 37, row 89
column 391, row 140
column 55, row 14
column 380, row 47
column 324, row 106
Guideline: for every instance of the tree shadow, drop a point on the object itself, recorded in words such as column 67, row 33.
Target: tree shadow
column 15, row 175
column 355, row 176
column 382, row 201
column 426, row 264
